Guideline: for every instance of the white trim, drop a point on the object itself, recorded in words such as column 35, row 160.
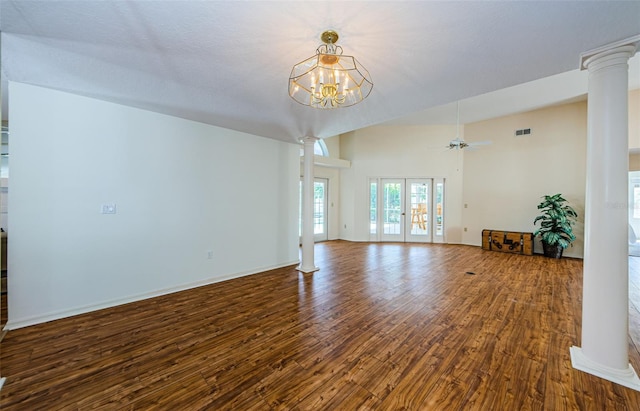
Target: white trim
column 25, row 322
column 408, row 221
column 324, row 236
column 401, row 236
column 627, row 378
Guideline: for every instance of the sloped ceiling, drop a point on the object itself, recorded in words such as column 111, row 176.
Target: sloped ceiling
column 227, row 63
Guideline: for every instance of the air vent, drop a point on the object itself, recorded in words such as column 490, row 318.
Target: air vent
column 523, row 132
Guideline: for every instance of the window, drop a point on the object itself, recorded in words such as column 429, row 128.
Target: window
column 319, row 149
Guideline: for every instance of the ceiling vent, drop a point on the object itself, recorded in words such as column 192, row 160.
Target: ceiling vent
column 523, row 132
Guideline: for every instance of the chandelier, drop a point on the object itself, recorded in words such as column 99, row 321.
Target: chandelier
column 329, row 79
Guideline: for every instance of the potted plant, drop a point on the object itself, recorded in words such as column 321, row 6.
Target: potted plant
column 555, row 229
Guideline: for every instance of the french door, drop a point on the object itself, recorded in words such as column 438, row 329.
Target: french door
column 406, row 209
column 320, row 226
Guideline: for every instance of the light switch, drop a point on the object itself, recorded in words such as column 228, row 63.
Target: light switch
column 108, row 208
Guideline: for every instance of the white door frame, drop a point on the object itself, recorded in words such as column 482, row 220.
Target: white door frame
column 418, row 223
column 324, row 235
column 391, row 216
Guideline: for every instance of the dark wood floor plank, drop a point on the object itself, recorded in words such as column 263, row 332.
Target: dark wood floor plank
column 339, row 394
column 380, row 326
column 191, row 393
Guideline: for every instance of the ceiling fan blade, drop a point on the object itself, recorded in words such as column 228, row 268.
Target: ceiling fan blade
column 474, row 146
column 479, row 143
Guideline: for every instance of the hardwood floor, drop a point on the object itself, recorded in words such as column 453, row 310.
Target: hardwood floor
column 379, row 327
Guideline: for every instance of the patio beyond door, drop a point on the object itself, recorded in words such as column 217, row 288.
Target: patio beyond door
column 410, row 210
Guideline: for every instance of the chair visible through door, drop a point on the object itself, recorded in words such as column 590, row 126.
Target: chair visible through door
column 418, row 214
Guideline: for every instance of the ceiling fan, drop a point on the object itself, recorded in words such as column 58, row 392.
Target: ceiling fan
column 458, row 143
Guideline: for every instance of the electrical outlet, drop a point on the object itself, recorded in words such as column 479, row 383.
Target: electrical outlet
column 209, row 255
column 465, row 229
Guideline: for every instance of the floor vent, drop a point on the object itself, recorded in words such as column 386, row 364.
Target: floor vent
column 523, row 132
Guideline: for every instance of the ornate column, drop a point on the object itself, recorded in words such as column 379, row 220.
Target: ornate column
column 307, row 264
column 605, row 304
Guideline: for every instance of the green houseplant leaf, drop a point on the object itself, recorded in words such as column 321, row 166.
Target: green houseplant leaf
column 556, row 221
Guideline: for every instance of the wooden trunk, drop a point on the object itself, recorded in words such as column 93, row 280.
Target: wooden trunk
column 508, row 241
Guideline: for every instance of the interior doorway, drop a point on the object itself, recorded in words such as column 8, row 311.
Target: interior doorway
column 406, row 209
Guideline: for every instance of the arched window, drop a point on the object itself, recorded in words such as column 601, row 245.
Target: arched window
column 319, row 149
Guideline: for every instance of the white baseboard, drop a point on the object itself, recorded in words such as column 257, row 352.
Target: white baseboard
column 39, row 319
column 627, row 377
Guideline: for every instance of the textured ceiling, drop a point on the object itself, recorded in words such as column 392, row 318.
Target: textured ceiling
column 227, row 62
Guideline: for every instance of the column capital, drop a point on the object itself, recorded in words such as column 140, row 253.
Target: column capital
column 620, row 48
column 309, row 140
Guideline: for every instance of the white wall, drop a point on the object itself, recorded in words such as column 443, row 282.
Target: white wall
column 181, row 189
column 504, row 183
column 403, row 152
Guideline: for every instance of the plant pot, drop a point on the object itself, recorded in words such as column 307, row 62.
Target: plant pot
column 552, row 251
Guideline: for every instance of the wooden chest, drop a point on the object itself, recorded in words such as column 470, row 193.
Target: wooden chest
column 507, row 241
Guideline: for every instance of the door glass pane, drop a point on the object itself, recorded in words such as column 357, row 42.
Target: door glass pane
column 391, row 203
column 373, row 207
column 318, row 207
column 439, row 208
column 419, row 205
